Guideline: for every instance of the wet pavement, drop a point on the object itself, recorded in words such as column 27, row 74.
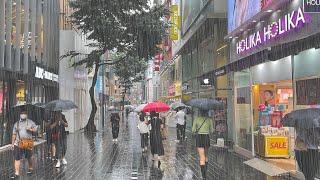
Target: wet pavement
column 98, row 157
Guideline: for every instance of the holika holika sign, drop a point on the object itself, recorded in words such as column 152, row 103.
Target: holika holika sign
column 289, row 22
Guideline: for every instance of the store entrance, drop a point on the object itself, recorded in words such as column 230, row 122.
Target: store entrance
column 273, row 142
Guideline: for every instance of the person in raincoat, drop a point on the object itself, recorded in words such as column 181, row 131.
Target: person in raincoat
column 202, row 127
column 156, row 145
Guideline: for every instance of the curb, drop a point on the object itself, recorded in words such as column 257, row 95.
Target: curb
column 36, row 143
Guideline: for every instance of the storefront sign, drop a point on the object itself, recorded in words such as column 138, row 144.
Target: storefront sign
column 178, row 88
column 284, row 25
column 175, row 20
column 277, row 146
column 311, row 6
column 42, row 74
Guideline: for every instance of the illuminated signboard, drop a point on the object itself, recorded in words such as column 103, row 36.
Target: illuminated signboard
column 284, row 25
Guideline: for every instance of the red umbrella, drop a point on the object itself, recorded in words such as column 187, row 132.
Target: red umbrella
column 156, row 106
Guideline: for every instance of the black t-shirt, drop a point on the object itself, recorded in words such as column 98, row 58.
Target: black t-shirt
column 115, row 119
column 60, row 129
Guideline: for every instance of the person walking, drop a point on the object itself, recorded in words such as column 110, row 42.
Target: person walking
column 202, row 127
column 51, row 145
column 156, row 145
column 22, row 143
column 180, row 119
column 115, row 125
column 59, row 138
column 143, row 128
column 164, row 132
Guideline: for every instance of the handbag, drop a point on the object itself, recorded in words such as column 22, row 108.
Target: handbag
column 24, row 143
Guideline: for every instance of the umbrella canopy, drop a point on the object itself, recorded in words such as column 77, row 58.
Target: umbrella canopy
column 303, row 118
column 112, row 109
column 206, row 104
column 177, row 105
column 128, row 106
column 140, row 107
column 156, row 106
column 60, row 105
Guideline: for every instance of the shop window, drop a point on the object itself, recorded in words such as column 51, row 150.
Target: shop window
column 242, row 110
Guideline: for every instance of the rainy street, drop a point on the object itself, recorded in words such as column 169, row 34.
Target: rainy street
column 160, row 89
column 98, row 157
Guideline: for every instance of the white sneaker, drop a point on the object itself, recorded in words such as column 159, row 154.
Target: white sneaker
column 177, row 140
column 112, row 139
column 116, row 140
column 58, row 164
column 64, row 161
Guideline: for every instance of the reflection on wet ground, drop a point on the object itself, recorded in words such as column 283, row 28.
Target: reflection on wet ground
column 97, row 157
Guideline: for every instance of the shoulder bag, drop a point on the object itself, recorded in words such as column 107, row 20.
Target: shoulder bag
column 195, row 133
column 24, row 143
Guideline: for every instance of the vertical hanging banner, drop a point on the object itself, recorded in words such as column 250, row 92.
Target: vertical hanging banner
column 157, row 60
column 175, row 21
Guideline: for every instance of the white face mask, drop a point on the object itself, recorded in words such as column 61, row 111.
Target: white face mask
column 23, row 116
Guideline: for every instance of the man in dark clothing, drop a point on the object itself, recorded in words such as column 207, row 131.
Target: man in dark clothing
column 115, row 124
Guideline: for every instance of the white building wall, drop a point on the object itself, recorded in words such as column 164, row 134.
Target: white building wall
column 74, row 86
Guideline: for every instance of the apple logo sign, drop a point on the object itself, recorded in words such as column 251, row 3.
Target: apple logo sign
column 206, row 81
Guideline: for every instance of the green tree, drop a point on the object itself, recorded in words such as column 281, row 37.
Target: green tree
column 128, row 26
column 129, row 70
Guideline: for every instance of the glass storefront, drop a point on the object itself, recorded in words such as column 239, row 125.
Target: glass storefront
column 267, row 92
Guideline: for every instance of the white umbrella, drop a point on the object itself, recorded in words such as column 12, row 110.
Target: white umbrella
column 140, row 107
column 128, row 106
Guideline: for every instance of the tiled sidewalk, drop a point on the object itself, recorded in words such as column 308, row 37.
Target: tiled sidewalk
column 97, row 157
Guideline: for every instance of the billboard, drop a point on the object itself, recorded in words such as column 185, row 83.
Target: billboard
column 190, row 11
column 240, row 11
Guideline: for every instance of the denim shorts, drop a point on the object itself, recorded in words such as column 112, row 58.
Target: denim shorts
column 18, row 153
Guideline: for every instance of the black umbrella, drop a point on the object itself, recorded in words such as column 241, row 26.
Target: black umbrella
column 206, row 104
column 60, row 105
column 303, row 118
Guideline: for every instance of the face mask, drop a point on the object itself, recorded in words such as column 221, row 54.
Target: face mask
column 23, row 116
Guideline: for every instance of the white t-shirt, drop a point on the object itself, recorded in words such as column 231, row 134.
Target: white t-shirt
column 143, row 127
column 180, row 117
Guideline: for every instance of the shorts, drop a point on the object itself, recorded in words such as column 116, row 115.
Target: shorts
column 203, row 140
column 18, row 153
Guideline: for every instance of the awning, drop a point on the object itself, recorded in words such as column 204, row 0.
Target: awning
column 184, row 97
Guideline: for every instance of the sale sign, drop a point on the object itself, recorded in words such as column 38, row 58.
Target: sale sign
column 277, row 146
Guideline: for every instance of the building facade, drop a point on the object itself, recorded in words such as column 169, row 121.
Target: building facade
column 274, row 70
column 29, row 57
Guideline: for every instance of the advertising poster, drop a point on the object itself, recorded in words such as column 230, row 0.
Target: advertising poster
column 264, row 118
column 190, row 10
column 276, row 119
column 267, row 97
column 240, row 11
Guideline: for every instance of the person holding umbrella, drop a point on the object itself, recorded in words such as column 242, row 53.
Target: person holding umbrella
column 180, row 119
column 59, row 137
column 115, row 125
column 202, row 127
column 307, row 145
column 155, row 137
